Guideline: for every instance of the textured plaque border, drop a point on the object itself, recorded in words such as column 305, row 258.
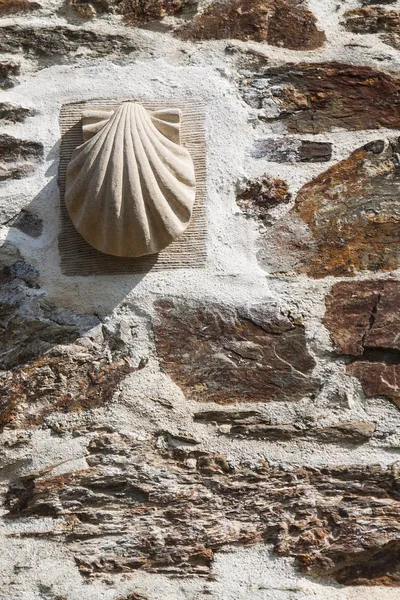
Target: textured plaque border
column 187, row 252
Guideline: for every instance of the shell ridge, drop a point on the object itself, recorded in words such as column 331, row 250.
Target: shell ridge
column 147, row 223
column 95, row 195
column 112, row 183
column 152, row 217
column 167, row 159
column 82, row 160
column 134, row 217
column 106, row 164
column 169, row 144
column 168, row 122
column 168, row 178
column 160, row 206
column 93, row 120
column 173, row 204
column 177, row 165
column 172, row 115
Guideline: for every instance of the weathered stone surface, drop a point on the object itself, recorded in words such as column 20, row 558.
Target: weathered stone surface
column 10, row 7
column 134, row 12
column 170, row 513
column 52, row 360
column 313, row 98
column 291, row 150
column 252, row 424
column 66, row 42
column 284, row 23
column 256, row 198
column 364, row 321
column 376, row 19
column 344, row 221
column 8, row 71
column 219, row 355
column 14, row 114
column 18, row 158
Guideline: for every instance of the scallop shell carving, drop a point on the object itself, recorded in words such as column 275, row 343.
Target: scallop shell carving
column 130, row 186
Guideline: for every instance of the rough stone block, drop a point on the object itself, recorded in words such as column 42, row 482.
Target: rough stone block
column 220, row 355
column 285, row 23
column 364, row 321
column 344, row 221
column 318, row 97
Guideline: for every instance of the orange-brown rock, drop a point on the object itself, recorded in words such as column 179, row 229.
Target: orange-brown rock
column 63, row 380
column 318, row 97
column 364, row 321
column 171, row 512
column 222, row 355
column 285, row 23
column 375, row 19
column 345, row 221
column 256, row 198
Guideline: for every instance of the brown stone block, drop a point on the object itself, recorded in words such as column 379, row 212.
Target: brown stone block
column 57, row 40
column 344, row 221
column 216, row 354
column 254, row 425
column 14, row 114
column 172, row 511
column 292, row 150
column 11, row 7
column 255, row 198
column 319, row 97
column 285, row 23
column 134, row 12
column 47, row 362
column 364, row 321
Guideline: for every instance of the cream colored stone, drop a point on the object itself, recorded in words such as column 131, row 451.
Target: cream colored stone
column 130, row 186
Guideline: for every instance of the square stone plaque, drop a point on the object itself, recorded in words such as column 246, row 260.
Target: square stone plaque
column 187, row 252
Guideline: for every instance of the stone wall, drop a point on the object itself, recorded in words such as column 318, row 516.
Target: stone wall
column 229, row 432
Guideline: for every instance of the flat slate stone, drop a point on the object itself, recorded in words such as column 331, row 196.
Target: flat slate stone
column 132, row 11
column 8, row 71
column 344, row 221
column 291, row 150
column 216, row 354
column 364, row 321
column 57, row 40
column 12, row 7
column 171, row 510
column 319, row 97
column 286, row 23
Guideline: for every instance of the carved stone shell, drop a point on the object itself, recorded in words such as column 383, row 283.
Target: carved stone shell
column 130, row 186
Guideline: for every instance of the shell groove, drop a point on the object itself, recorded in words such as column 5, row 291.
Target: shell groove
column 130, row 187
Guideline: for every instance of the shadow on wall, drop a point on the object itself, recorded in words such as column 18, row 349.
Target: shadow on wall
column 73, row 255
column 54, row 359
